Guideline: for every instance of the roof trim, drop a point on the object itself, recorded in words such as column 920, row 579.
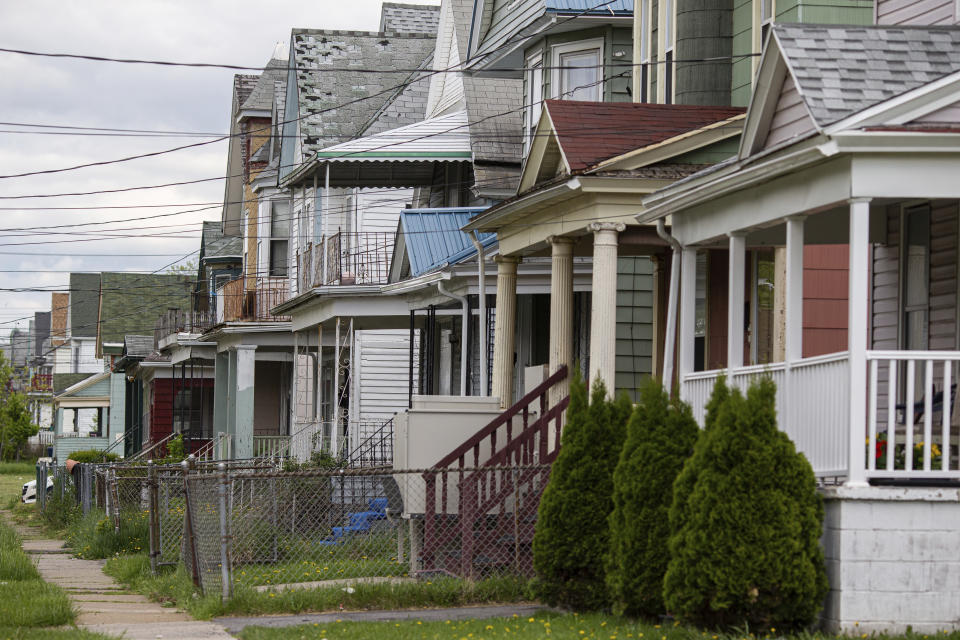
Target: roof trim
column 360, row 156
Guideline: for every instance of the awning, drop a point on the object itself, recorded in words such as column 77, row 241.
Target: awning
column 402, row 157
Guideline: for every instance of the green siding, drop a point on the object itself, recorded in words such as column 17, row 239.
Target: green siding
column 63, row 447
column 855, row 12
column 634, row 323
column 614, row 39
column 711, row 154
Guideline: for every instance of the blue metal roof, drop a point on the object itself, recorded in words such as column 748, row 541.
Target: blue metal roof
column 620, row 7
column 433, row 238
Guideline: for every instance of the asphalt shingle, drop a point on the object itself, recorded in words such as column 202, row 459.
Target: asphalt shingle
column 841, row 70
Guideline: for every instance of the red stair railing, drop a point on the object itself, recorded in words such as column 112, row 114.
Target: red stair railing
column 481, row 491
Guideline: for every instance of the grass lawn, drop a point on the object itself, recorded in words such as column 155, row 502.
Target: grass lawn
column 17, row 633
column 543, row 625
column 12, row 477
column 25, row 599
column 176, row 586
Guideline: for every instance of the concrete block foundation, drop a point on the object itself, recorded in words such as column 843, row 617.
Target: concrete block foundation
column 893, row 559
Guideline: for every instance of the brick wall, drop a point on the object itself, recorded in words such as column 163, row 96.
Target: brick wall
column 893, row 559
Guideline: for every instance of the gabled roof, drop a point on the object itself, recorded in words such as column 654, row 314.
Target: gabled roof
column 396, row 17
column 573, row 137
column 432, row 237
column 213, row 244
column 93, row 385
column 841, row 72
column 130, row 303
column 261, row 95
column 329, row 105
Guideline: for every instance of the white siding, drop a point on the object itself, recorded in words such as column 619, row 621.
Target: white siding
column 446, row 89
column 382, row 383
column 379, row 209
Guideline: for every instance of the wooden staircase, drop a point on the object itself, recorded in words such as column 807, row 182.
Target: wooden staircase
column 482, row 498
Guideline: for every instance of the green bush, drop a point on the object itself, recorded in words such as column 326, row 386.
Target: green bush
column 572, row 536
column 93, row 455
column 745, row 522
column 660, row 437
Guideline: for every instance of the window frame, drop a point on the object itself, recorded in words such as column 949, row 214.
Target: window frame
column 557, row 51
column 531, row 111
column 642, row 77
column 922, row 208
column 274, row 241
column 666, row 72
column 761, row 26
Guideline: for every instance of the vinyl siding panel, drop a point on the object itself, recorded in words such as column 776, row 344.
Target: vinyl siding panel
column 886, row 281
column 634, row 350
column 919, row 12
column 507, row 19
column 790, row 118
column 943, row 276
column 948, row 114
column 382, row 372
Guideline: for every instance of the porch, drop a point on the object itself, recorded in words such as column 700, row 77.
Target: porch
column 876, row 277
column 236, row 304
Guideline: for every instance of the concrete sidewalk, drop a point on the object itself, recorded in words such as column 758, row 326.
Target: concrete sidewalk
column 102, row 604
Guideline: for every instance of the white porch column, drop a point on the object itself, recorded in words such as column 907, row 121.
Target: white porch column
column 244, row 392
column 603, row 310
column 857, row 318
column 504, row 329
column 794, row 286
column 561, row 312
column 686, row 337
column 736, row 281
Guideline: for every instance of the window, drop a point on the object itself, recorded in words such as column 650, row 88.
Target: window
column 643, row 77
column 279, row 238
column 193, row 411
column 668, row 20
column 766, row 19
column 534, row 103
column 578, row 75
column 915, row 278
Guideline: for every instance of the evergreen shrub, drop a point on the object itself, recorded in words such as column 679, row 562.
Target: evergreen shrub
column 745, row 522
column 572, row 536
column 93, row 455
column 660, row 438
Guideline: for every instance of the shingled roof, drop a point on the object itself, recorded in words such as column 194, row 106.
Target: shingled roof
column 330, row 104
column 130, row 303
column 260, row 97
column 213, row 244
column 409, row 18
column 590, row 132
column 841, row 70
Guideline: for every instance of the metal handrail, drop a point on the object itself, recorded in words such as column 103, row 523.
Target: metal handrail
column 143, row 452
column 383, row 434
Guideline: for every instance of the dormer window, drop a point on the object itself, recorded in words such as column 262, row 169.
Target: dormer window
column 578, row 72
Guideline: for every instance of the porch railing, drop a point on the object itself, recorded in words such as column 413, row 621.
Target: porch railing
column 238, row 305
column 912, row 419
column 376, row 448
column 812, row 399
column 175, row 321
column 271, row 446
column 358, row 258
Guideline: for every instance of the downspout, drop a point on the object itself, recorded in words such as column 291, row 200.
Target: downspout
column 465, row 319
column 671, row 336
column 482, row 294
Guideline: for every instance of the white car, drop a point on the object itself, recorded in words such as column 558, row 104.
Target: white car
column 29, row 492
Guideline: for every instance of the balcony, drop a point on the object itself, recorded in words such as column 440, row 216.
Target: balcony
column 234, row 304
column 351, row 259
column 41, row 383
column 177, row 321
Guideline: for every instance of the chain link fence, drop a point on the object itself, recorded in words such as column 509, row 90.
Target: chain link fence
column 245, row 523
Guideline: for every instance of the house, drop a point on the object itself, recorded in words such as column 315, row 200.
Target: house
column 852, row 137
column 74, row 326
column 81, row 417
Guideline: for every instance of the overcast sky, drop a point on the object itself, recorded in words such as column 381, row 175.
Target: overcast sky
column 53, row 91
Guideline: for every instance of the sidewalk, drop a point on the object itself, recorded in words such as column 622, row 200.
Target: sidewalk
column 105, row 606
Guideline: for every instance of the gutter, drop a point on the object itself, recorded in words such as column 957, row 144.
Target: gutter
column 672, row 300
column 464, row 330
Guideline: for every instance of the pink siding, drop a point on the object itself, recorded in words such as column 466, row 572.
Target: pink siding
column 917, row 12
column 825, row 278
column 790, row 118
